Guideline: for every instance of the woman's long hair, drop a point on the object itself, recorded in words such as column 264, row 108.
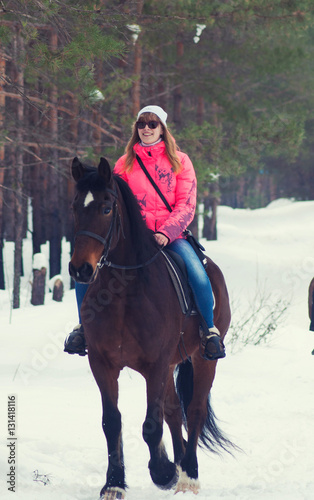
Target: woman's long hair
column 171, row 146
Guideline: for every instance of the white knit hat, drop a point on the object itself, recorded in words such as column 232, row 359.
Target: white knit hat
column 157, row 110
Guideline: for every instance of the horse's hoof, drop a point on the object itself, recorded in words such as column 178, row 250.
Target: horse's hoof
column 166, row 478
column 113, row 494
column 186, row 483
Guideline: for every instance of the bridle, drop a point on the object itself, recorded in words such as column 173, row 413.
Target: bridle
column 115, row 225
column 106, row 242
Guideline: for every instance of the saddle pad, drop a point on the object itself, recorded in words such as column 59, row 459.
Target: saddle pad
column 178, row 275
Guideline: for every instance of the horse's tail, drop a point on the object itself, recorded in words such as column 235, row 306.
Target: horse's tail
column 211, row 437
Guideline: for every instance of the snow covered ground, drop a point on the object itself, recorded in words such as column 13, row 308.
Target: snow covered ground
column 263, row 395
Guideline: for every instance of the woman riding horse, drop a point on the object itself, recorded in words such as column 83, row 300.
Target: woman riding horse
column 132, row 318
column 152, row 144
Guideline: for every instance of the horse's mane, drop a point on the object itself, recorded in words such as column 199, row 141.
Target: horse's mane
column 143, row 242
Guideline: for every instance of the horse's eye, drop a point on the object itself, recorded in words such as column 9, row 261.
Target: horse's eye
column 106, row 210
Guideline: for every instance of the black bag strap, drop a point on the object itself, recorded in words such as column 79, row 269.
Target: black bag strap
column 198, row 248
column 151, row 180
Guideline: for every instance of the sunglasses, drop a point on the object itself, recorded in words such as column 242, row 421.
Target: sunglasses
column 151, row 124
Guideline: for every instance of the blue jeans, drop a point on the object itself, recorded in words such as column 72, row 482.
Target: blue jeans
column 197, row 278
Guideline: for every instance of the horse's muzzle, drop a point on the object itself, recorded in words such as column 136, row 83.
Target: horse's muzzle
column 83, row 274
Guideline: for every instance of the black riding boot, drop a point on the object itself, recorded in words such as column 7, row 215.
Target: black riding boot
column 75, row 343
column 212, row 346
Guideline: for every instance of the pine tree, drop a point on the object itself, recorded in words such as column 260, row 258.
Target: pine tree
column 235, row 78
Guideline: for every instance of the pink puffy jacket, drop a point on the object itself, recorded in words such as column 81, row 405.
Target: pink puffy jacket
column 179, row 189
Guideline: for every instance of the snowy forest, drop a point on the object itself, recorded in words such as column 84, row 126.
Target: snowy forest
column 236, row 78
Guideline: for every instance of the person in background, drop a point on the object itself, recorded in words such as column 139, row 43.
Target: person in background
column 152, row 144
column 311, row 307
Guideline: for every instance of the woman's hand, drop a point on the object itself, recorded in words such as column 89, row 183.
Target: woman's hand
column 161, row 239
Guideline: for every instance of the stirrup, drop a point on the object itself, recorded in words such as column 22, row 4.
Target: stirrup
column 75, row 343
column 212, row 347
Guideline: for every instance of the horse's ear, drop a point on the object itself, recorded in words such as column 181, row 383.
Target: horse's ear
column 104, row 170
column 77, row 169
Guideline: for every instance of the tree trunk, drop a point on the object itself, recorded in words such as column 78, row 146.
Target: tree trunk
column 2, row 280
column 57, row 293
column 54, row 210
column 240, row 192
column 38, row 288
column 2, row 170
column 37, row 208
column 161, row 89
column 137, row 69
column 2, row 101
column 177, row 116
column 96, row 134
column 36, row 186
column 18, row 167
column 200, row 110
column 136, row 88
column 211, row 203
column 272, row 188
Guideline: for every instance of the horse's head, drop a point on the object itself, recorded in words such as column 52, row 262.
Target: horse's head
column 96, row 218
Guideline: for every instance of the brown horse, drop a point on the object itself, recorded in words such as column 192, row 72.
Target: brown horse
column 132, row 317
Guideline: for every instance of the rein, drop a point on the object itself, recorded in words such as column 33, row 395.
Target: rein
column 108, row 263
column 106, row 242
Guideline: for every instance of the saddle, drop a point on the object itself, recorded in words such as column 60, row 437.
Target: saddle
column 178, row 274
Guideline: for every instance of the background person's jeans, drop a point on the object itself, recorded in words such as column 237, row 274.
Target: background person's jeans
column 80, row 290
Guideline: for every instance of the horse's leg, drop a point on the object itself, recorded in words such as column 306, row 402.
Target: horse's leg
column 162, row 471
column 203, row 376
column 173, row 417
column 107, row 381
